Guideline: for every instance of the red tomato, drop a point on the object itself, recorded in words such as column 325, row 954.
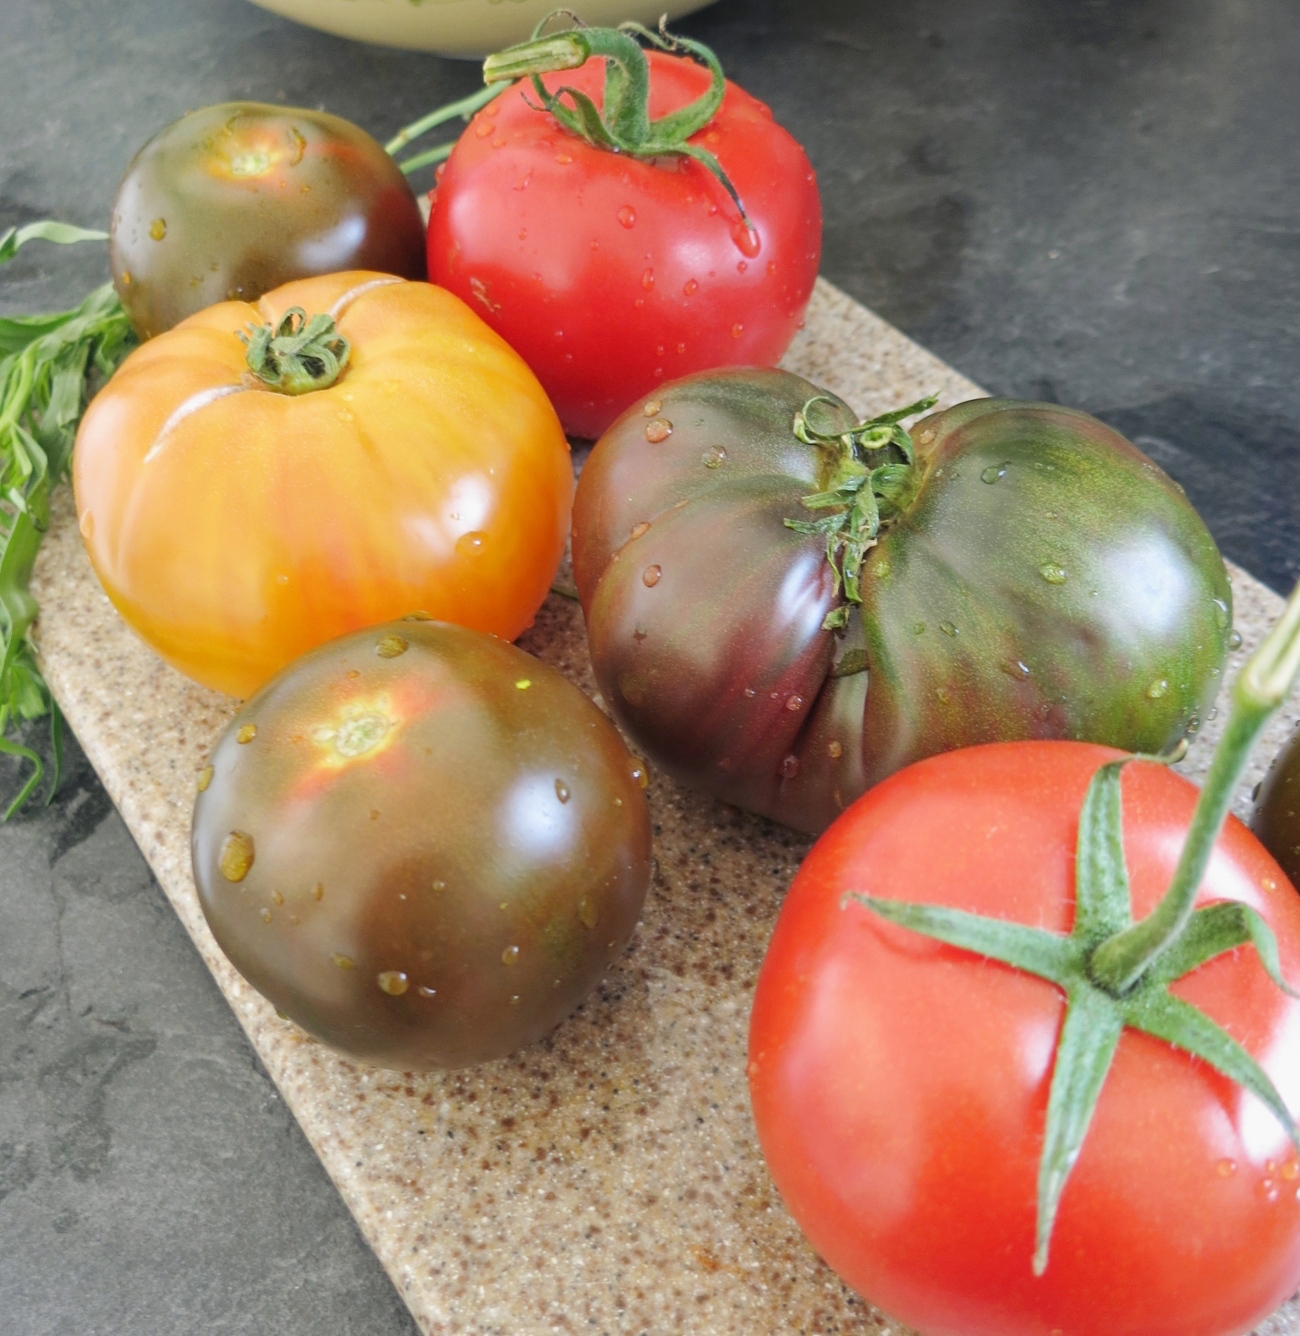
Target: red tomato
column 900, row 1086
column 609, row 274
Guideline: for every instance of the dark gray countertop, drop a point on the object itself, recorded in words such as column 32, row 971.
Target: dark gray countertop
column 1094, row 201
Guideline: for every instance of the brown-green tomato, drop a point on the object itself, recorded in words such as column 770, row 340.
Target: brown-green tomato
column 233, row 200
column 1041, row 579
column 1277, row 812
column 422, row 844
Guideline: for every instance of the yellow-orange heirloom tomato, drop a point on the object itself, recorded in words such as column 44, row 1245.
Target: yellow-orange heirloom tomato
column 235, row 526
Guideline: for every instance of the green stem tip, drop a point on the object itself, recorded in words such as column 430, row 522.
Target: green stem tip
column 1115, row 973
column 299, row 355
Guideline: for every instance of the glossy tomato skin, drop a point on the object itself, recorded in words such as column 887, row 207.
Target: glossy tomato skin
column 1047, row 581
column 611, row 275
column 1277, row 814
column 900, row 1086
column 439, row 845
column 236, row 199
column 234, row 527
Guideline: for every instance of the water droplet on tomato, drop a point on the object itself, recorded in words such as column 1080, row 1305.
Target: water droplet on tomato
column 652, row 407
column 627, row 216
column 390, row 647
column 639, row 632
column 790, row 767
column 658, row 430
column 510, row 955
column 737, row 330
column 87, row 526
column 277, row 897
column 948, row 628
column 835, row 750
column 1221, row 614
column 639, row 529
column 523, row 684
column 437, row 884
column 651, row 576
column 586, row 912
column 750, row 693
column 919, row 629
column 1157, row 689
column 741, row 266
column 1226, row 1168
column 563, row 159
column 426, row 992
column 640, row 775
column 771, row 266
column 1052, row 573
column 994, row 472
column 471, row 544
column 247, row 732
column 747, row 239
column 1234, row 640
column 690, row 287
column 793, row 702
column 393, row 982
column 714, row 457
column 1016, row 668
column 484, row 127
column 265, row 916
column 205, row 778
column 158, row 228
column 343, row 962
column 648, row 279
column 562, row 791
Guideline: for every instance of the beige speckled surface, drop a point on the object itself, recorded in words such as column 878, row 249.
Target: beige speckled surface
column 606, row 1179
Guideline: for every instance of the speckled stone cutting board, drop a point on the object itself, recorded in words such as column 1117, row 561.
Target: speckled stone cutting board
column 606, row 1179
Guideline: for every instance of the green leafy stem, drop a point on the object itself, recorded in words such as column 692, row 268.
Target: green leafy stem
column 623, row 125
column 47, row 365
column 871, row 478
column 1116, row 973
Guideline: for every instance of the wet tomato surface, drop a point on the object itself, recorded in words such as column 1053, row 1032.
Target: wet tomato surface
column 422, row 844
column 234, row 526
column 900, row 1086
column 610, row 274
column 236, row 199
column 1036, row 577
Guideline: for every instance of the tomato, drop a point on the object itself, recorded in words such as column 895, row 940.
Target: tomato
column 1036, row 577
column 233, row 200
column 235, row 527
column 900, row 1086
column 422, row 844
column 611, row 274
column 1277, row 814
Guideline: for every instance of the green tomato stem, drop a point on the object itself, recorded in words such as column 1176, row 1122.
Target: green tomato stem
column 1261, row 687
column 465, row 107
column 299, row 355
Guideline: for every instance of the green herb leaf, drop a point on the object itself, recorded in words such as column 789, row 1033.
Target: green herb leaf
column 47, row 363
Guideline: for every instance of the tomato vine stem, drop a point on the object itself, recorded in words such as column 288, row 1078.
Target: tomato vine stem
column 1116, row 974
column 298, row 355
column 623, row 125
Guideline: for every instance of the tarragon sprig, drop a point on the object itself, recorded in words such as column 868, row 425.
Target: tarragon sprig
column 860, row 495
column 47, row 363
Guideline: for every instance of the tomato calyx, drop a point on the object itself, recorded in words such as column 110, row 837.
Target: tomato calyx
column 624, row 124
column 862, row 497
column 298, row 355
column 1116, row 973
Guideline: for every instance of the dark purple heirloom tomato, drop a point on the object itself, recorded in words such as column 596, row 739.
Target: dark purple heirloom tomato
column 422, row 844
column 784, row 604
column 1277, row 813
column 233, row 200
